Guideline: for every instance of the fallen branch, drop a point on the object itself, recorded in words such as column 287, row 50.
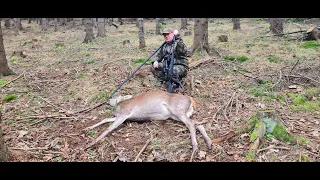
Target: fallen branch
column 143, row 148
column 192, row 85
column 89, row 108
column 226, row 106
column 198, row 63
column 12, row 80
column 53, row 104
column 29, row 149
column 283, row 34
column 272, row 147
column 278, row 80
column 45, row 116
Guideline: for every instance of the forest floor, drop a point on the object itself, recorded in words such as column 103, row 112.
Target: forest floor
column 61, row 75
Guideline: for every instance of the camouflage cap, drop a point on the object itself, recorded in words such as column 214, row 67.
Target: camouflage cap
column 167, row 30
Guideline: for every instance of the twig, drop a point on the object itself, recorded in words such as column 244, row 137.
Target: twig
column 29, row 149
column 273, row 147
column 278, row 80
column 43, row 116
column 294, row 66
column 12, row 80
column 309, row 78
column 192, row 85
column 226, row 106
column 237, row 106
column 52, row 104
column 143, row 148
column 89, row 108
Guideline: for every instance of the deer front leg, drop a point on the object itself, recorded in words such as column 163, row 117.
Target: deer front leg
column 205, row 135
column 118, row 121
column 100, row 123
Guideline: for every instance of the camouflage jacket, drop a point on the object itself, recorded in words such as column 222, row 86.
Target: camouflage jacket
column 180, row 52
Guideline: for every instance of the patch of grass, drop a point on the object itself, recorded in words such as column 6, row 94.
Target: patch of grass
column 101, row 96
column 10, row 97
column 307, row 106
column 13, row 58
column 263, row 90
column 236, row 58
column 196, row 52
column 250, row 156
column 91, row 132
column 58, row 45
column 304, row 158
column 85, row 53
column 302, row 103
column 2, row 82
column 311, row 45
column 81, row 75
column 299, row 100
column 141, row 60
column 89, row 62
column 248, row 45
column 274, row 59
column 204, row 96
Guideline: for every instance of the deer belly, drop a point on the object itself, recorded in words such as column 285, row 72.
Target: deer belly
column 151, row 114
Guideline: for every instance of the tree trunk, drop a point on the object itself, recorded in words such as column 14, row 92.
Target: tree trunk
column 4, row 68
column 184, row 22
column 121, row 21
column 63, row 21
column 29, row 20
column 94, row 22
column 158, row 26
column 4, row 153
column 276, row 25
column 101, row 28
column 236, row 23
column 142, row 43
column 200, row 40
column 89, row 30
column 55, row 24
column 44, row 24
column 6, row 22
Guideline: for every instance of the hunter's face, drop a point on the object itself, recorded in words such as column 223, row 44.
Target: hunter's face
column 168, row 37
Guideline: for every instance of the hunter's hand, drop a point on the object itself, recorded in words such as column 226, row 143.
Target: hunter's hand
column 156, row 64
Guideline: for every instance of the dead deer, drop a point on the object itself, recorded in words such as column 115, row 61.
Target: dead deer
column 155, row 105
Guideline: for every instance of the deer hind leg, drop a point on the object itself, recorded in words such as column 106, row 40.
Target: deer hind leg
column 192, row 128
column 101, row 122
column 205, row 135
column 118, row 121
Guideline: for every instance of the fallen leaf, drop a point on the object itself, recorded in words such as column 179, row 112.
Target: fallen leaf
column 47, row 157
column 235, row 157
column 202, row 154
column 315, row 133
column 245, row 135
column 22, row 133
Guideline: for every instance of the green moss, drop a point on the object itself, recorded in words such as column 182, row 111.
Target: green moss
column 2, row 82
column 280, row 133
column 236, row 58
column 10, row 97
column 254, row 134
